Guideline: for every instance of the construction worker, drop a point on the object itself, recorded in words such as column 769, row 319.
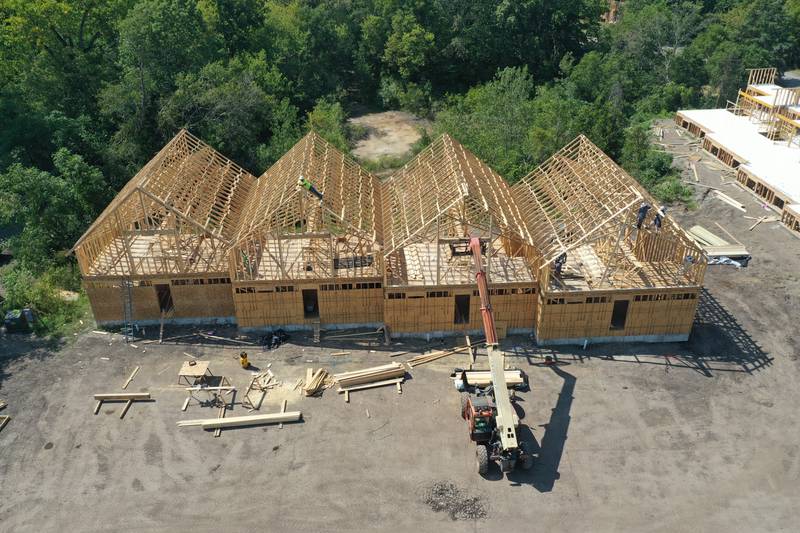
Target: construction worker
column 243, row 360
column 561, row 260
column 303, row 183
column 659, row 218
column 642, row 214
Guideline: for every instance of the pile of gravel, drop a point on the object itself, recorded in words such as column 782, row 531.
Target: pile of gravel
column 444, row 496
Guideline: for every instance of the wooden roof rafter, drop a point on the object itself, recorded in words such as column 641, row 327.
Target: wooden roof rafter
column 186, row 187
column 576, row 194
column 443, row 177
column 351, row 194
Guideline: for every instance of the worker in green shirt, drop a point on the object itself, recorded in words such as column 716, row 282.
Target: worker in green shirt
column 307, row 185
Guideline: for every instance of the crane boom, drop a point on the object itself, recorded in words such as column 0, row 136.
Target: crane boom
column 505, row 411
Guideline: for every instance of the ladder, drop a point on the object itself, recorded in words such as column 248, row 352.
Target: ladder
column 127, row 309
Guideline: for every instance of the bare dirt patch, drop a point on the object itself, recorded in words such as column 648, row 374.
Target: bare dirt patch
column 389, row 134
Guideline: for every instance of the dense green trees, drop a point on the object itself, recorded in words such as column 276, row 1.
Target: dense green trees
column 90, row 90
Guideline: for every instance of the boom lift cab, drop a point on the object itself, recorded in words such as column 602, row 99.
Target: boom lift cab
column 487, row 408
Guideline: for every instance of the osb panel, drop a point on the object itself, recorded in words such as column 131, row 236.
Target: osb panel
column 106, row 303
column 286, row 308
column 577, row 318
column 198, row 301
column 268, row 308
column 351, row 306
column 414, row 315
column 145, row 303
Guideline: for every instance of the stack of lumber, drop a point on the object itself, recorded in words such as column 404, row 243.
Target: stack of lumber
column 483, row 378
column 376, row 374
column 315, row 381
column 715, row 246
column 433, row 356
column 241, row 421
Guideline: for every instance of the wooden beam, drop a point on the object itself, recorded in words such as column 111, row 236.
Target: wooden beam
column 122, row 396
column 243, row 421
column 130, row 378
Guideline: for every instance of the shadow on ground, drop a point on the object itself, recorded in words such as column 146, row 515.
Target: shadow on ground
column 13, row 347
column 718, row 343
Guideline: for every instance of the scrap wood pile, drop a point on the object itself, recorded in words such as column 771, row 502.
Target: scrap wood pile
column 315, row 382
column 261, row 382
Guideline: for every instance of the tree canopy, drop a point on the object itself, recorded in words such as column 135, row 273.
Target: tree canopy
column 89, row 91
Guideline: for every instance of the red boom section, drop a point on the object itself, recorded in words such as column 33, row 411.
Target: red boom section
column 483, row 289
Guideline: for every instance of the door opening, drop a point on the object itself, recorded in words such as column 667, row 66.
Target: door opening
column 619, row 315
column 310, row 303
column 164, row 298
column 462, row 309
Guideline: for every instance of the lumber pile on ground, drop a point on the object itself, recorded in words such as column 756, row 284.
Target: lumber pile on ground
column 483, row 378
column 367, row 378
column 433, row 356
column 374, row 374
column 243, row 421
column 716, row 246
column 315, row 381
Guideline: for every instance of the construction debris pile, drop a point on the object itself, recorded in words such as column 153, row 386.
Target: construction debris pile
column 445, row 496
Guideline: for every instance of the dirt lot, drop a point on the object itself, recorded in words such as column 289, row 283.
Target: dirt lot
column 390, row 133
column 700, row 436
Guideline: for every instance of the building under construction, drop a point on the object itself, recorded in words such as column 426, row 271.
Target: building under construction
column 571, row 254
column 759, row 137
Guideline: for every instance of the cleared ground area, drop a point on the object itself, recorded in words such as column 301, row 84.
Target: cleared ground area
column 389, row 133
column 699, row 436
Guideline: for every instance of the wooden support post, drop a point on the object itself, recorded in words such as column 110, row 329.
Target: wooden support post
column 125, row 409
column 135, row 370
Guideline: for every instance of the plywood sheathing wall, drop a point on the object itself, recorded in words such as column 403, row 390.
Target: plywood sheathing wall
column 588, row 315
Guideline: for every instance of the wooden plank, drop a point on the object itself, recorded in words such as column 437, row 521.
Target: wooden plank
column 283, row 410
column 123, row 396
column 730, row 201
column 3, row 421
column 728, row 233
column 243, row 421
column 335, row 354
column 395, row 354
column 130, row 378
column 186, row 403
column 125, row 409
column 97, row 406
column 759, row 221
column 371, row 385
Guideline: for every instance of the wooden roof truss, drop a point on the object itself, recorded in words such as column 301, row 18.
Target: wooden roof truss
column 288, row 234
column 580, row 197
column 444, row 194
column 178, row 215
